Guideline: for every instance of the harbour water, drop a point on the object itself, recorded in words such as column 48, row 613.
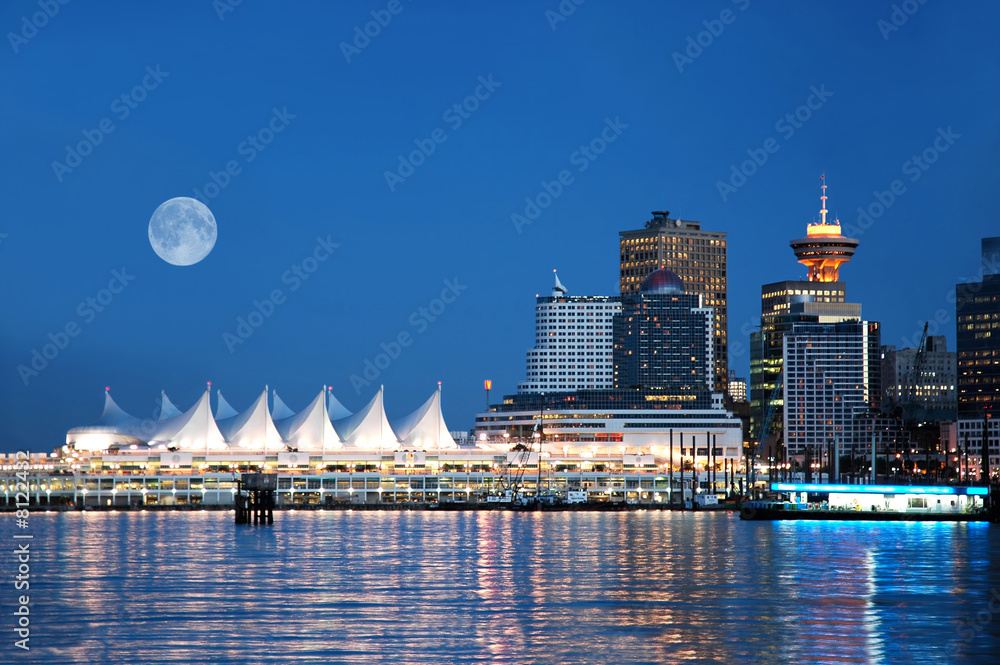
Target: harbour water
column 502, row 587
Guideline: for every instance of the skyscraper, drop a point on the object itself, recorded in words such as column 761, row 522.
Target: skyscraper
column 573, row 343
column 977, row 309
column 787, row 384
column 977, row 306
column 782, row 305
column 698, row 257
column 663, row 338
column 832, row 375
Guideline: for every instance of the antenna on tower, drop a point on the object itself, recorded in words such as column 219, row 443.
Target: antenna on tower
column 822, row 197
column 558, row 289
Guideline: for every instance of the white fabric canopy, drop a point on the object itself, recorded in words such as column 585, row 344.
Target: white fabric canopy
column 425, row 429
column 336, row 410
column 114, row 416
column 166, row 407
column 193, row 430
column 253, row 429
column 311, row 430
column 279, row 411
column 223, row 411
column 368, row 428
column 115, row 426
column 257, row 428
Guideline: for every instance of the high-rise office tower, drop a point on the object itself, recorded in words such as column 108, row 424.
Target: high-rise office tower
column 796, row 307
column 698, row 257
column 832, row 375
column 573, row 343
column 977, row 309
column 977, row 306
column 663, row 338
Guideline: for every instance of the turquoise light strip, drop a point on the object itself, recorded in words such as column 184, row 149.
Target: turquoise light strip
column 873, row 489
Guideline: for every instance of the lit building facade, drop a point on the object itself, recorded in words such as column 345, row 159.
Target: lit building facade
column 977, row 309
column 663, row 338
column 698, row 257
column 782, row 304
column 738, row 389
column 669, row 429
column 832, row 375
column 573, row 343
column 932, row 390
column 662, row 408
column 819, row 300
column 779, row 297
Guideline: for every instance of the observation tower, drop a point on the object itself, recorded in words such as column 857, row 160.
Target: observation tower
column 824, row 249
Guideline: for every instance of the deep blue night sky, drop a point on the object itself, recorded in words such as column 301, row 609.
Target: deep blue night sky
column 886, row 96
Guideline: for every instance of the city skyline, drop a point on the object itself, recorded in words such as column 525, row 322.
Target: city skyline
column 312, row 174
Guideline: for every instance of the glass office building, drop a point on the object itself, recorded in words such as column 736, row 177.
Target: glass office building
column 698, row 257
column 663, row 338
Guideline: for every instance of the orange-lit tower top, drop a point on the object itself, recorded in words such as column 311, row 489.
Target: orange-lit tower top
column 824, row 249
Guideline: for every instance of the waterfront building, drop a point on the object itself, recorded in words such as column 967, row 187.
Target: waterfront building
column 573, row 343
column 119, row 479
column 698, row 257
column 653, row 428
column 616, row 445
column 663, row 338
column 977, row 309
column 662, row 409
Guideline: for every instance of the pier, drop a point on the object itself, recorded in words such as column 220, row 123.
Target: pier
column 254, row 498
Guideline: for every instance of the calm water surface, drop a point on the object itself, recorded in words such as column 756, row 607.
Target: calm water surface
column 490, row 587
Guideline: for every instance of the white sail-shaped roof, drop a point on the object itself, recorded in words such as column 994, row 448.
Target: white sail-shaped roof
column 193, row 430
column 368, row 428
column 253, row 429
column 558, row 288
column 336, row 410
column 113, row 415
column 425, row 429
column 279, row 411
column 167, row 408
column 311, row 430
column 223, row 411
column 115, row 426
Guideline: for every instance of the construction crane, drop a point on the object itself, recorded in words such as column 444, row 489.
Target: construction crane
column 512, row 475
column 905, row 404
column 908, row 408
column 764, row 427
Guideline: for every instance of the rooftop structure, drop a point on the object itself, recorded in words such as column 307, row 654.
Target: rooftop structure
column 323, row 426
column 824, row 249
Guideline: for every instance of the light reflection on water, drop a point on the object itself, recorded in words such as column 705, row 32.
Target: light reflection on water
column 495, row 587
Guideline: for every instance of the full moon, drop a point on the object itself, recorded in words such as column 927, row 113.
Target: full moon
column 182, row 231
